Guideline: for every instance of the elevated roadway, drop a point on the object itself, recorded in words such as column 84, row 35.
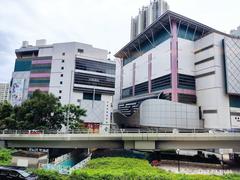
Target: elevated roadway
column 122, row 140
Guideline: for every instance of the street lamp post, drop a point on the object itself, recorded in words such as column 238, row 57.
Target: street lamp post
column 69, row 100
column 222, row 163
column 178, row 150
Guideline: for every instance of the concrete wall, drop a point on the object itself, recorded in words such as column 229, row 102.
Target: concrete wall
column 28, row 161
column 160, row 65
column 95, row 111
column 185, row 57
column 210, row 89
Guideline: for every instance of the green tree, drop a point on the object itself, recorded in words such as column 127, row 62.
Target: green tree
column 40, row 111
column 73, row 113
column 7, row 117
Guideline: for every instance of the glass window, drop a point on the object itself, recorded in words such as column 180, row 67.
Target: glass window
column 159, row 36
column 23, row 65
column 94, row 80
column 127, row 92
column 80, row 50
column 95, row 66
column 186, row 81
column 89, row 96
column 141, row 88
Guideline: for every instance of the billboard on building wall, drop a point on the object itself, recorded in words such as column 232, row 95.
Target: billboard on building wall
column 232, row 64
column 235, row 121
column 17, row 91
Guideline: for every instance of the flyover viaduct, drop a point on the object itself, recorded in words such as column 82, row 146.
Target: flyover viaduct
column 141, row 141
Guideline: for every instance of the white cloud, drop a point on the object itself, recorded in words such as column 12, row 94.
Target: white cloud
column 102, row 23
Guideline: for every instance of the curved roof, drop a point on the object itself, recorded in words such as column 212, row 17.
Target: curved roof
column 160, row 23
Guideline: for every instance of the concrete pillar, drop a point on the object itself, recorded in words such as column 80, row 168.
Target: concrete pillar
column 133, row 79
column 3, row 144
column 150, row 73
column 174, row 61
column 121, row 77
column 140, row 145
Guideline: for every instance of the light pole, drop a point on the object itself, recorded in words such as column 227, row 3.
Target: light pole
column 93, row 99
column 69, row 100
column 222, row 162
column 178, row 150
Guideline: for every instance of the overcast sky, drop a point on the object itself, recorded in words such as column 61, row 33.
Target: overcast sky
column 102, row 23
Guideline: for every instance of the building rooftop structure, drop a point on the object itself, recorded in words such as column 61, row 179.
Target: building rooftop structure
column 163, row 23
column 235, row 32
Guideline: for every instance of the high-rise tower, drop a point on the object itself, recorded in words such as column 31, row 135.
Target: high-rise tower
column 146, row 15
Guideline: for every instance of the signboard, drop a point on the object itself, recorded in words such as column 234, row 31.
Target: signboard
column 235, row 120
column 17, row 91
column 22, row 162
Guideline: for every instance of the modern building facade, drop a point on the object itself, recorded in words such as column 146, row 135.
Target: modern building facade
column 74, row 72
column 146, row 16
column 184, row 62
column 4, row 92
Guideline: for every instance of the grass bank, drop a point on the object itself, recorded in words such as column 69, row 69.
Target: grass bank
column 118, row 168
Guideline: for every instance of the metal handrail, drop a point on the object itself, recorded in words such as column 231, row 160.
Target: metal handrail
column 121, row 131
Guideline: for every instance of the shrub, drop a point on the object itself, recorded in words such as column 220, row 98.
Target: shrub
column 49, row 175
column 118, row 168
column 5, row 157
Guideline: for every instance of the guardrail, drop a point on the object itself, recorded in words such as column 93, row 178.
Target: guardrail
column 122, row 131
column 81, row 164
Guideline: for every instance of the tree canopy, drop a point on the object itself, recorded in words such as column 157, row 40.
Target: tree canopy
column 73, row 113
column 40, row 111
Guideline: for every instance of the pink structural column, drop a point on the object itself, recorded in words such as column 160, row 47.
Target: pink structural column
column 174, row 61
column 121, row 77
column 149, row 73
column 133, row 79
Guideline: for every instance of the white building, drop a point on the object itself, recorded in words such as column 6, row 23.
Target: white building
column 4, row 92
column 187, row 61
column 74, row 72
column 146, row 16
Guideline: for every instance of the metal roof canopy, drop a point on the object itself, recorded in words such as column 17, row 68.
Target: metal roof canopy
column 161, row 23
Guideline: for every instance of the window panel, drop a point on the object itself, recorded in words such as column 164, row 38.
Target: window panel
column 94, row 66
column 94, row 80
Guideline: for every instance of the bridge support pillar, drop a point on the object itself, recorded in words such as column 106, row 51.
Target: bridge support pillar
column 129, row 145
column 3, row 144
column 141, row 145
